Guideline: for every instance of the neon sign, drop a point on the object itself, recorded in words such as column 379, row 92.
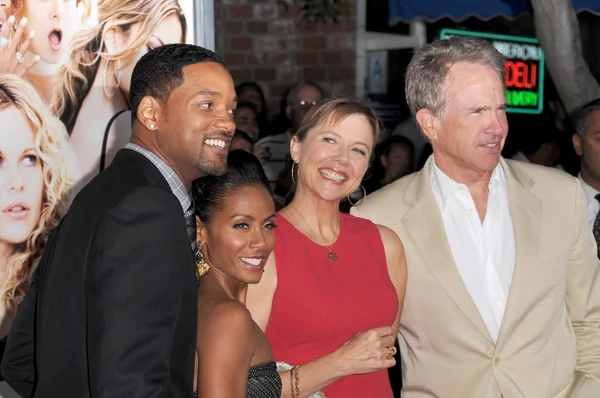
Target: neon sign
column 523, row 69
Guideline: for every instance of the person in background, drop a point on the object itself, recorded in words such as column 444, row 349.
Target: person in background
column 538, row 140
column 92, row 95
column 331, row 296
column 37, row 172
column 586, row 142
column 113, row 304
column 394, row 160
column 252, row 93
column 236, row 223
column 241, row 141
column 246, row 121
column 302, row 97
column 503, row 298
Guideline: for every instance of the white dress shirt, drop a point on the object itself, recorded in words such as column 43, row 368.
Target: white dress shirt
column 484, row 253
column 593, row 205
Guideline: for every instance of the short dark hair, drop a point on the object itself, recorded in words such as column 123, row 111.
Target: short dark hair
column 160, row 71
column 210, row 192
column 583, row 118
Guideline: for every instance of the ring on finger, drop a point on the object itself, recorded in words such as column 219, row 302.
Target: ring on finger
column 392, row 351
column 20, row 58
column 3, row 42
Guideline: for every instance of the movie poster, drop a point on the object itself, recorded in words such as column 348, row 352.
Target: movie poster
column 63, row 119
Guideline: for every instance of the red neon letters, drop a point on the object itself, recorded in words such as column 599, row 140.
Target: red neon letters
column 518, row 74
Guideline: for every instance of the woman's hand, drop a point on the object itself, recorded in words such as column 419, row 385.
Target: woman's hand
column 367, row 352
column 13, row 50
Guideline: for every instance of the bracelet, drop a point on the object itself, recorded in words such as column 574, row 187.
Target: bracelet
column 295, row 382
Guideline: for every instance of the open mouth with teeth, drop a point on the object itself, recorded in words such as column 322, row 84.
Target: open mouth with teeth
column 332, row 175
column 253, row 262
column 217, row 143
column 55, row 39
column 16, row 211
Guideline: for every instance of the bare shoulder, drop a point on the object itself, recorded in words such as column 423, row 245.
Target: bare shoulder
column 391, row 242
column 225, row 317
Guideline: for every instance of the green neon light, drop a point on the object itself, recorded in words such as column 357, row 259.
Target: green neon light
column 515, row 94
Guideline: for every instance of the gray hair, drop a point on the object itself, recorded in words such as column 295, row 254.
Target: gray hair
column 583, row 118
column 428, row 69
column 292, row 95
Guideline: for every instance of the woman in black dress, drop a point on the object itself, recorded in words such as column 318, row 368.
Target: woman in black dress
column 235, row 223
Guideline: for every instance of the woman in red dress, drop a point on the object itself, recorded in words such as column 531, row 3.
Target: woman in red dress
column 331, row 296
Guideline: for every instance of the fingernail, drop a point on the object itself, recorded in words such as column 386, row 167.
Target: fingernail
column 24, row 21
column 31, row 34
column 11, row 19
column 36, row 58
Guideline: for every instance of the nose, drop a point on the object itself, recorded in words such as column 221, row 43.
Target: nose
column 16, row 182
column 57, row 9
column 225, row 123
column 498, row 124
column 257, row 239
column 342, row 155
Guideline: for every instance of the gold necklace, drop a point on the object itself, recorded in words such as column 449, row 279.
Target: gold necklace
column 332, row 256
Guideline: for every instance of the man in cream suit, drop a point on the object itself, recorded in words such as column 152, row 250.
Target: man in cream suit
column 503, row 295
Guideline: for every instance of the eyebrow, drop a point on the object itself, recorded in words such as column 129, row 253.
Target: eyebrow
column 250, row 217
column 337, row 135
column 210, row 93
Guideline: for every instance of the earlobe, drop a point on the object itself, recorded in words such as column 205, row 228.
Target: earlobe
column 426, row 121
column 147, row 112
column 295, row 149
column 114, row 40
column 577, row 144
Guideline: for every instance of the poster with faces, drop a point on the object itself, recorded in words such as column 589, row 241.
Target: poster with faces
column 63, row 120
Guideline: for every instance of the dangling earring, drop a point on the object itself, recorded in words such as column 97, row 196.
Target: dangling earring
column 201, row 264
column 361, row 199
column 294, row 179
column 117, row 78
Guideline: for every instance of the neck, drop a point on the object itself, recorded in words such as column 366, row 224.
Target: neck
column 234, row 289
column 43, row 68
column 322, row 217
column 43, row 84
column 588, row 178
column 474, row 180
column 141, row 137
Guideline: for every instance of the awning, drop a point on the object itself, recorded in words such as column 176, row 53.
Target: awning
column 458, row 10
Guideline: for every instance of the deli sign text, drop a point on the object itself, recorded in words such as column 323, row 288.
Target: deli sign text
column 524, row 69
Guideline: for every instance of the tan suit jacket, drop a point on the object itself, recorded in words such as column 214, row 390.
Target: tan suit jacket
column 549, row 341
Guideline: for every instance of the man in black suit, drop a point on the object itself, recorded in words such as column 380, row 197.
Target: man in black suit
column 112, row 311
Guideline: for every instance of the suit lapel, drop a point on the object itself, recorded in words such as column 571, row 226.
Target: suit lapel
column 426, row 227
column 526, row 214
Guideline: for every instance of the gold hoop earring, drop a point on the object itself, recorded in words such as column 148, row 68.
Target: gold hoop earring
column 294, row 179
column 361, row 199
column 202, row 266
column 117, row 78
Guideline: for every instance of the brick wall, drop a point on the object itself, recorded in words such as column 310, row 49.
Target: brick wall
column 263, row 42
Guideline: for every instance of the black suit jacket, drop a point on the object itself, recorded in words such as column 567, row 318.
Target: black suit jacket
column 112, row 311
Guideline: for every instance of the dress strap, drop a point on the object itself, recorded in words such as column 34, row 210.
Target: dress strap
column 105, row 139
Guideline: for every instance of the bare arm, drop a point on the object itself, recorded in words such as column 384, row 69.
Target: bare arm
column 396, row 263
column 225, row 347
column 365, row 353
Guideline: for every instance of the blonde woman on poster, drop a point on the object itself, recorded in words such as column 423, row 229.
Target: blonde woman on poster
column 92, row 97
column 36, row 175
column 55, row 23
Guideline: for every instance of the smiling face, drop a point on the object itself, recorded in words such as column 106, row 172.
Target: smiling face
column 21, row 181
column 239, row 237
column 468, row 138
column 333, row 159
column 195, row 124
column 55, row 22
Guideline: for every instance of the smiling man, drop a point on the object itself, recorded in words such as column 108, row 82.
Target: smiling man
column 112, row 309
column 503, row 296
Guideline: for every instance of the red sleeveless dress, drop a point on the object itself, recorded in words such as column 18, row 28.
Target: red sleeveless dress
column 319, row 304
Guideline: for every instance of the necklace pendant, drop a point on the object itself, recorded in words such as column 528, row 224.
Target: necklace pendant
column 332, row 256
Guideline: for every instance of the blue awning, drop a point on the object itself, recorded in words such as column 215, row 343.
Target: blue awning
column 458, row 10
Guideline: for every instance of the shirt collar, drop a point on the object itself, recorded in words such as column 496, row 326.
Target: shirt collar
column 175, row 183
column 446, row 186
column 590, row 193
